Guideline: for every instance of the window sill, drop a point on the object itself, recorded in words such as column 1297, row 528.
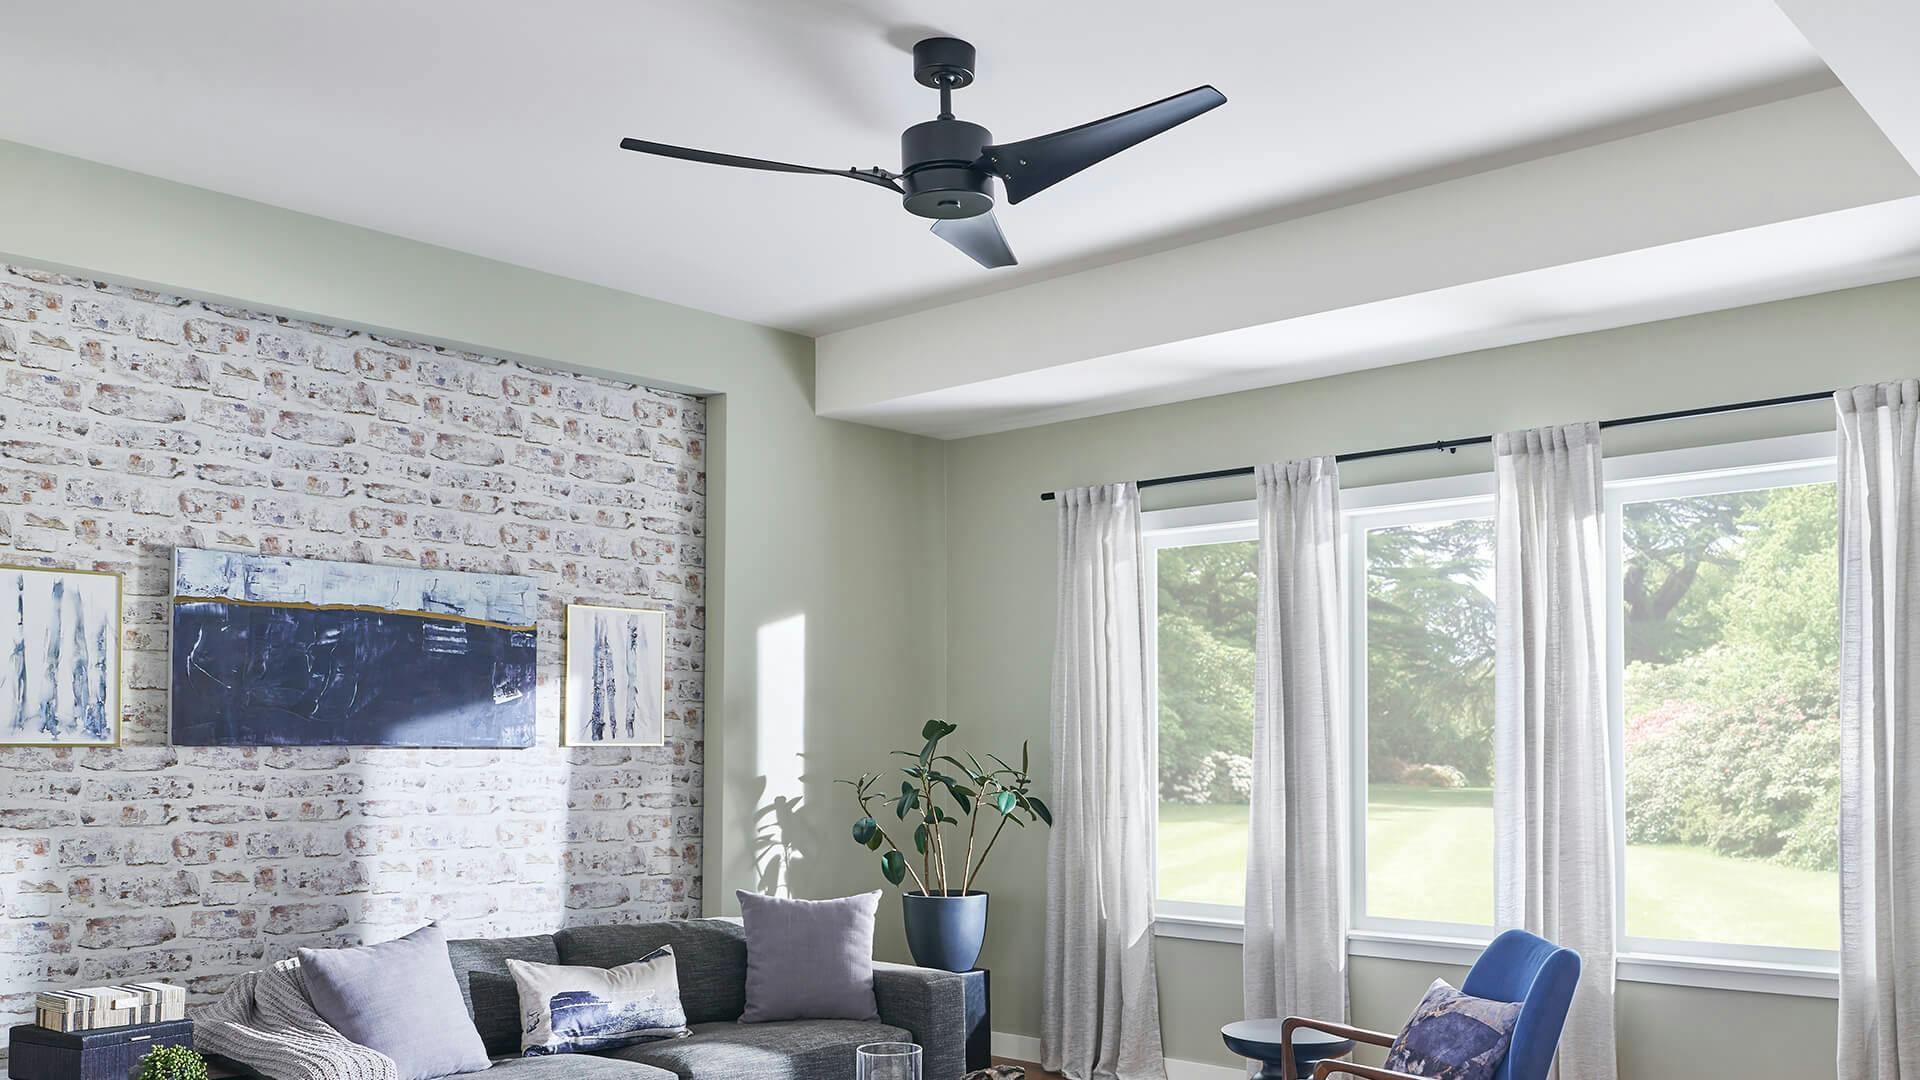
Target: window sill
column 1792, row 980
column 1199, row 928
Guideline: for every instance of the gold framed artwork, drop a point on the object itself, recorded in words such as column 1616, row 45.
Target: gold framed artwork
column 616, row 677
column 59, row 657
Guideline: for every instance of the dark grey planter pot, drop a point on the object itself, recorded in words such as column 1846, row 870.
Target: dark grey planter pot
column 945, row 932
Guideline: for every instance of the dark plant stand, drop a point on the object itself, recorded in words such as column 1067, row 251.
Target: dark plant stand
column 979, row 1019
column 1259, row 1040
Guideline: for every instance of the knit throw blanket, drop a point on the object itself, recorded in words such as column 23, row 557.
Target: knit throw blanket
column 266, row 1022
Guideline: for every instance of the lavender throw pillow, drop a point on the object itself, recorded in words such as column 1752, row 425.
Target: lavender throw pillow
column 400, row 998
column 1453, row 1036
column 809, row 959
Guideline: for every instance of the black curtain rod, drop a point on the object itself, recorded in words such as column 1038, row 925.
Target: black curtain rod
column 1451, row 445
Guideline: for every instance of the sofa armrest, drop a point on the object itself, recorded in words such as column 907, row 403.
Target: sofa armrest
column 930, row 1004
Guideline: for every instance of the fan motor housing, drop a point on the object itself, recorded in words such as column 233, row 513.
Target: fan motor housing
column 937, row 169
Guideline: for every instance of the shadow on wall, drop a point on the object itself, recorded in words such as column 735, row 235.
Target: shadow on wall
column 777, row 858
column 780, row 738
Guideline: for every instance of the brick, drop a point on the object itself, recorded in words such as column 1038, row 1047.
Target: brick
column 467, row 449
column 395, row 439
column 205, row 846
column 149, row 890
column 185, row 371
column 311, row 428
column 305, row 918
column 233, row 476
column 379, row 364
column 208, row 335
column 135, row 403
column 289, row 348
column 47, row 391
column 20, row 304
column 126, row 931
column 222, row 924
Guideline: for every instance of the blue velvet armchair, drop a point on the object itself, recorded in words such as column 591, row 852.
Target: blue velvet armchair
column 1516, row 966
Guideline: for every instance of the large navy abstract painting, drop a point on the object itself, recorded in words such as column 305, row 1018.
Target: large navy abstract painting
column 60, row 651
column 301, row 652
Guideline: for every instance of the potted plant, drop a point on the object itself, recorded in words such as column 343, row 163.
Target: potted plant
column 172, row 1063
column 946, row 917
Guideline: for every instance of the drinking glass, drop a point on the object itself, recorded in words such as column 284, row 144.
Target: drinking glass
column 887, row 1061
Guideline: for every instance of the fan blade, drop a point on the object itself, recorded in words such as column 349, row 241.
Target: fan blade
column 1033, row 165
column 875, row 175
column 979, row 237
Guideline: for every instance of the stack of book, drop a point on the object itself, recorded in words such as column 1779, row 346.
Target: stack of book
column 93, row 1007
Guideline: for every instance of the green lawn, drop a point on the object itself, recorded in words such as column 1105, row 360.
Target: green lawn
column 1430, row 856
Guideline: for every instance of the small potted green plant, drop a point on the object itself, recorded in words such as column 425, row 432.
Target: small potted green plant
column 171, row 1063
column 943, row 797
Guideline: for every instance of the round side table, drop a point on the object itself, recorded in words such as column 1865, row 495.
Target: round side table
column 1259, row 1040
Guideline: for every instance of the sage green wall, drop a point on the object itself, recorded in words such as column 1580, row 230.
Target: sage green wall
column 1000, row 581
column 826, row 539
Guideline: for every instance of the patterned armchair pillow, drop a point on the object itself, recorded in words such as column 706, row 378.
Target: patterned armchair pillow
column 1453, row 1036
column 566, row 1010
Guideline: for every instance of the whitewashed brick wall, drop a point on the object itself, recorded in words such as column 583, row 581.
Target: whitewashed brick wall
column 132, row 422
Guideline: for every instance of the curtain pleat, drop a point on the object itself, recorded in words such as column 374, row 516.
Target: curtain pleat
column 1100, row 1010
column 1295, row 954
column 1879, row 740
column 1553, row 762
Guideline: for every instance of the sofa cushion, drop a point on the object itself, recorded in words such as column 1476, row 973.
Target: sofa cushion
column 778, row 1050
column 710, row 954
column 574, row 1067
column 567, row 1010
column 809, row 959
column 480, row 967
column 397, row 997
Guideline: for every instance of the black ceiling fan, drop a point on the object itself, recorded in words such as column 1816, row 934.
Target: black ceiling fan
column 948, row 165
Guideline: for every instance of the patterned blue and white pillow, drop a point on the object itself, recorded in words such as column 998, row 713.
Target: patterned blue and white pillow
column 1453, row 1036
column 566, row 1010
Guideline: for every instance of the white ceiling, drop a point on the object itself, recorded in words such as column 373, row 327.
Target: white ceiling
column 491, row 127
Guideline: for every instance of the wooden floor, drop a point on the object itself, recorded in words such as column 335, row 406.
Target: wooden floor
column 1034, row 1072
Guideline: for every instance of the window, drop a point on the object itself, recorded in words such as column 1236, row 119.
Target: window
column 1726, row 653
column 1424, row 784
column 1723, row 639
column 1204, row 593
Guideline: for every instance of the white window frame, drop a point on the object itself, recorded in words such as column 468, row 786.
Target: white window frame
column 1386, row 506
column 1741, row 466
column 1219, row 523
column 1718, row 470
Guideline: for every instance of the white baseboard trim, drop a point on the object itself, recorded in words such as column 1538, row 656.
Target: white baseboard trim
column 1006, row 1044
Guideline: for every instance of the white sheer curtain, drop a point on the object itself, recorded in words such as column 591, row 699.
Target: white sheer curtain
column 1553, row 763
column 1879, row 733
column 1099, row 1009
column 1295, row 956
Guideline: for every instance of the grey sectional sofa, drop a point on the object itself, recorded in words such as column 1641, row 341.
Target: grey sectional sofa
column 916, row 1005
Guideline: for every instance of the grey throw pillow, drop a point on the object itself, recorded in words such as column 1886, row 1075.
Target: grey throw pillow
column 1453, row 1036
column 809, row 959
column 400, row 998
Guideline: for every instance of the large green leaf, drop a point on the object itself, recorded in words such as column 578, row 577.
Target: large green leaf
column 864, row 829
column 920, row 839
column 1006, row 801
column 893, row 866
column 936, row 730
column 1040, row 809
